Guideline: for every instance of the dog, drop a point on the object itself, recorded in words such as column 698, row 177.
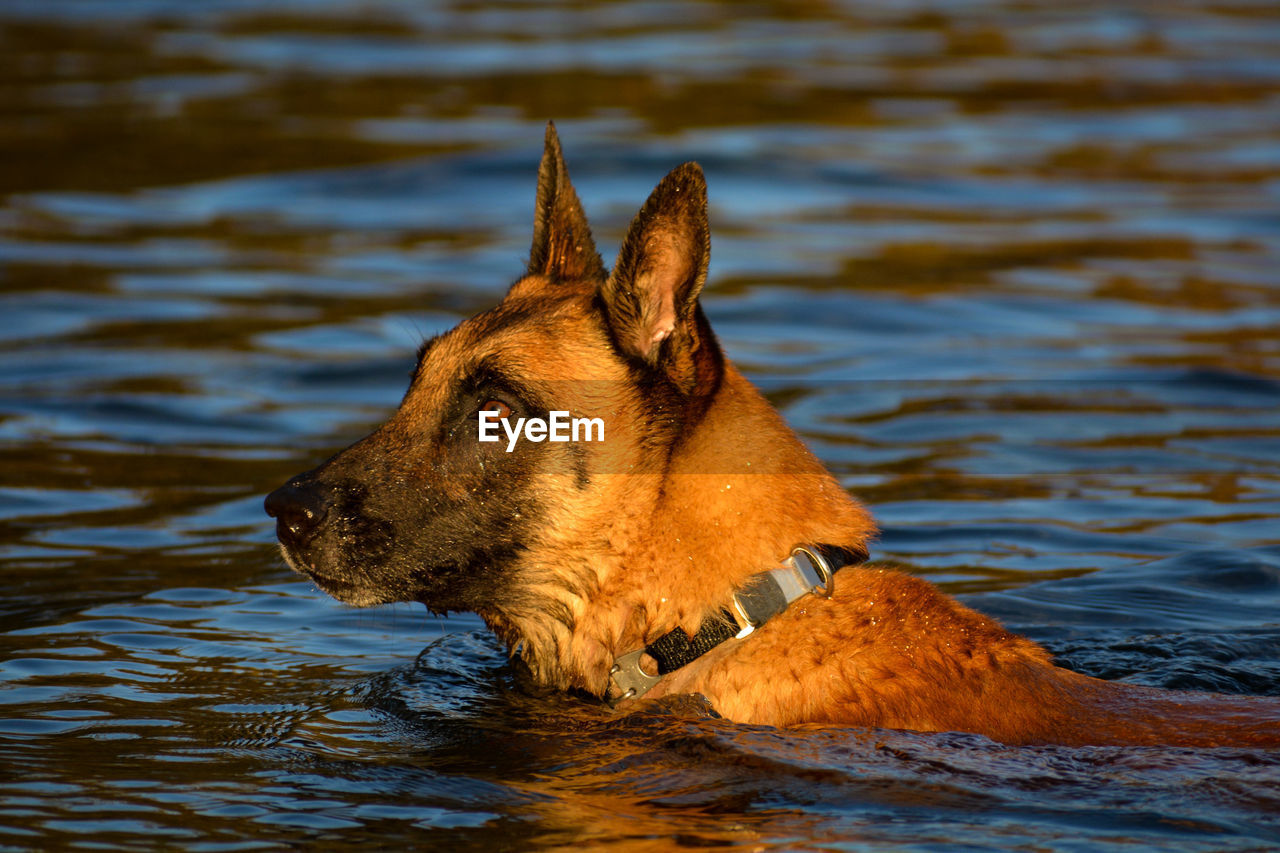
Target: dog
column 692, row 544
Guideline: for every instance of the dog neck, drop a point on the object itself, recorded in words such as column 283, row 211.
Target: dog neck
column 743, row 489
column 740, row 490
column 809, row 570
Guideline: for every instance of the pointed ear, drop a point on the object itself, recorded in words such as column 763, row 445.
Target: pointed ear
column 562, row 244
column 650, row 299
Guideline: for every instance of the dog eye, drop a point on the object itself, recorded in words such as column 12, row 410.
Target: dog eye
column 498, row 406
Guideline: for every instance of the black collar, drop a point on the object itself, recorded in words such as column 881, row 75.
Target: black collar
column 809, row 569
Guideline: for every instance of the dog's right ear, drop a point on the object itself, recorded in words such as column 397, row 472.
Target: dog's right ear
column 562, row 244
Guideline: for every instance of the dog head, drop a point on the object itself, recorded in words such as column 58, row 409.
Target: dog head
column 423, row 510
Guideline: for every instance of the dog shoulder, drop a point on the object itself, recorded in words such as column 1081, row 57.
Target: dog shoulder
column 887, row 649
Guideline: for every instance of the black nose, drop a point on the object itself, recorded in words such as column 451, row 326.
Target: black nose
column 299, row 512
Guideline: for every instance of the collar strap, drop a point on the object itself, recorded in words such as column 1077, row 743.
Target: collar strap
column 809, row 569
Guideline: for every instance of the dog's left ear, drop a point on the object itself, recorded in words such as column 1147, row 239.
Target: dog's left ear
column 651, row 297
column 562, row 244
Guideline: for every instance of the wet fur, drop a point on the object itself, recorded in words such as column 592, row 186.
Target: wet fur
column 575, row 554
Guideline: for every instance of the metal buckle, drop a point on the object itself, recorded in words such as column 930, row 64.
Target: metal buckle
column 629, row 678
column 745, row 625
column 826, row 577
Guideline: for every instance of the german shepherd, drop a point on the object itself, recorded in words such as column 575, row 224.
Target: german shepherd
column 699, row 548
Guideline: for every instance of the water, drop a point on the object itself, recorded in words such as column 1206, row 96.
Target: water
column 1009, row 268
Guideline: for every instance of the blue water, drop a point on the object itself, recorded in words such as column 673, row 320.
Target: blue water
column 1009, row 269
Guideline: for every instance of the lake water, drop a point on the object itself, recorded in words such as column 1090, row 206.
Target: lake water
column 1010, row 268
